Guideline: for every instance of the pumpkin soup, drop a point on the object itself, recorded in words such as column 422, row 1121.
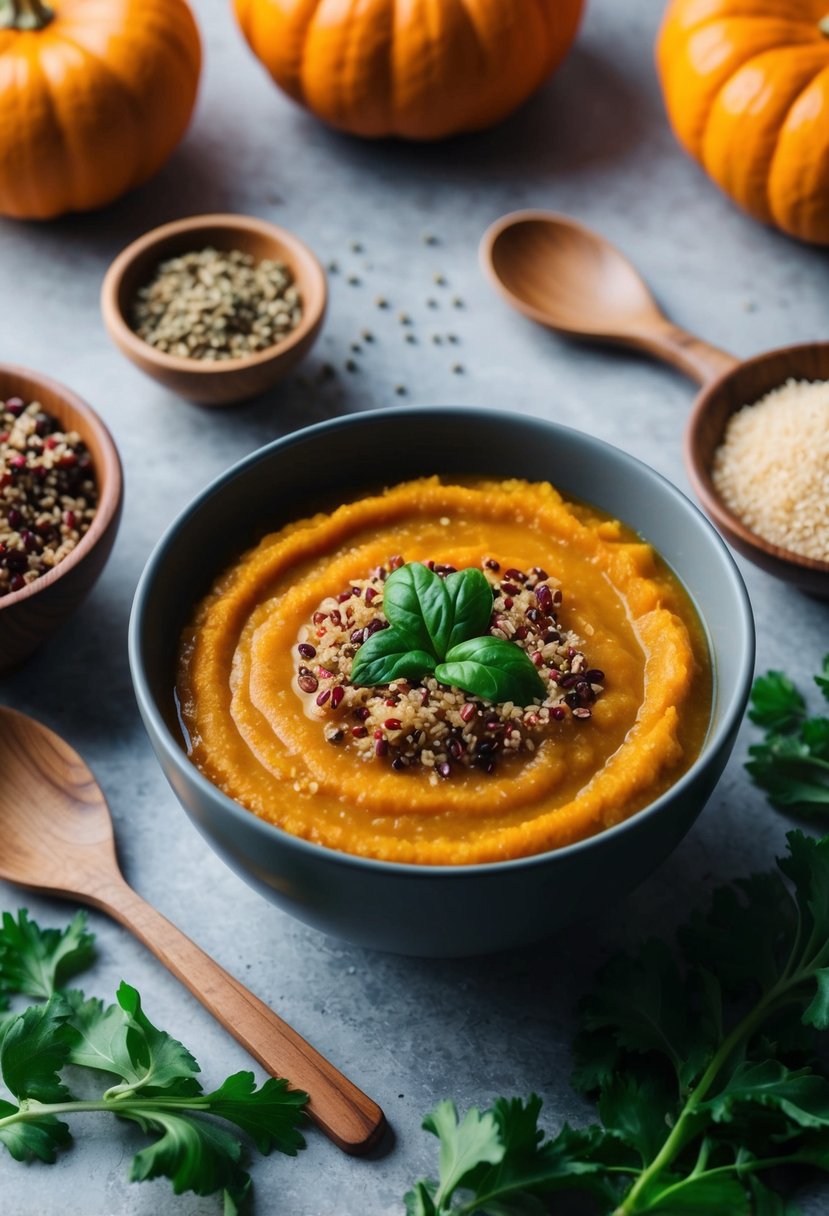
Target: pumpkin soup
column 446, row 674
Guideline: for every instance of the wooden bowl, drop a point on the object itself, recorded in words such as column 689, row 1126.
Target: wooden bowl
column 744, row 384
column 29, row 616
column 207, row 382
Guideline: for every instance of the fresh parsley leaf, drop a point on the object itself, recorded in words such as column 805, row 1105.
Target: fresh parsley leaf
column 35, row 1140
column 638, row 1111
column 269, row 1115
column 464, row 1145
column 387, row 656
column 499, row 1163
column 744, row 935
column 157, row 1063
column 157, row 1088
column 792, row 762
column 644, row 1004
column 120, row 1039
column 775, row 702
column 492, row 668
column 35, row 1048
column 38, row 962
column 802, row 1096
column 706, row 1067
column 195, row 1155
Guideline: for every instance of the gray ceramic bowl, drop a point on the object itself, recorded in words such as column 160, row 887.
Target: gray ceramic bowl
column 448, row 910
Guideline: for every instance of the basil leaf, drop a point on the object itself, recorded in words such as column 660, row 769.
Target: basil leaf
column 389, row 655
column 470, row 600
column 492, row 668
column 416, row 603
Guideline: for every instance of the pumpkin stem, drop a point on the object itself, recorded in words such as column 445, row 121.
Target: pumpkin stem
column 823, row 25
column 24, row 14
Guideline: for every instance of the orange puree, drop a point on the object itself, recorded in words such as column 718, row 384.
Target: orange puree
column 249, row 732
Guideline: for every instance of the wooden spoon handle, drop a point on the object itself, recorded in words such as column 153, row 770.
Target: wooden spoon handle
column 695, row 358
column 347, row 1116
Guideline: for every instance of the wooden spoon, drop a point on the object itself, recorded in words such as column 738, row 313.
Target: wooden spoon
column 57, row 837
column 569, row 278
column 565, row 276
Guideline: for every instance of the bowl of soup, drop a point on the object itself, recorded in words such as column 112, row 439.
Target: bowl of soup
column 439, row 681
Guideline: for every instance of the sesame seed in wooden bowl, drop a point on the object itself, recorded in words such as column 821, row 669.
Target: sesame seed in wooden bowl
column 791, row 511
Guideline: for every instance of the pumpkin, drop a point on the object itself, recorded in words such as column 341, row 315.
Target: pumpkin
column 94, row 96
column 746, row 84
column 422, row 69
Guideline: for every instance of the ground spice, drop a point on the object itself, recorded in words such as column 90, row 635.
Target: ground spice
column 428, row 725
column 217, row 305
column 772, row 468
column 48, row 493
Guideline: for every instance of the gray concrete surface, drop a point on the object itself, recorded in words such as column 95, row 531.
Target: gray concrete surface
column 593, row 143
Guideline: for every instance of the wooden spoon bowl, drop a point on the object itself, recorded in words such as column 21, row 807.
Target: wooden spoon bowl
column 565, row 276
column 29, row 616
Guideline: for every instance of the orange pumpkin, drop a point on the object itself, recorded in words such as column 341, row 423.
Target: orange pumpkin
column 94, row 96
column 421, row 69
column 746, row 84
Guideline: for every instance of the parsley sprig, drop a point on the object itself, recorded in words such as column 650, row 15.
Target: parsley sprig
column 136, row 1071
column 704, row 1065
column 792, row 762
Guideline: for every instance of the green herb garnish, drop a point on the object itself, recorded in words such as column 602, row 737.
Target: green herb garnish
column 436, row 626
column 151, row 1078
column 792, row 762
column 492, row 668
column 706, row 1066
column 36, row 962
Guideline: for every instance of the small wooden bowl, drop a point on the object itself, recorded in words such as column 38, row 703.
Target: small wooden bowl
column 744, row 384
column 234, row 380
column 29, row 616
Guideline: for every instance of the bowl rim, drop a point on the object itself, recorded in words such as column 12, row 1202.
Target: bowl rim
column 730, row 712
column 125, row 335
column 699, row 474
column 110, row 486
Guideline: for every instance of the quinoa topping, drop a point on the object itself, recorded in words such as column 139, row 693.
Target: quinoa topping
column 426, row 724
column 217, row 305
column 48, row 493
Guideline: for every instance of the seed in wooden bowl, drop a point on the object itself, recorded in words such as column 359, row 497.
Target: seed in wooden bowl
column 217, row 305
column 48, row 493
column 772, row 468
